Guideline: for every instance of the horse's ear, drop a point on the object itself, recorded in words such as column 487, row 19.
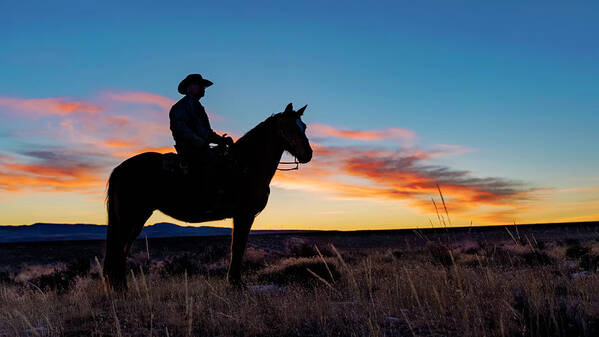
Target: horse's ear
column 289, row 108
column 301, row 111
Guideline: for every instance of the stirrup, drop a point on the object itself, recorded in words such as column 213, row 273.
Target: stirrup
column 184, row 166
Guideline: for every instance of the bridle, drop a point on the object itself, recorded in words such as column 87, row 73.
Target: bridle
column 294, row 162
column 289, row 163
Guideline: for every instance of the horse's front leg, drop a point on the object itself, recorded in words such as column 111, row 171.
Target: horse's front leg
column 241, row 231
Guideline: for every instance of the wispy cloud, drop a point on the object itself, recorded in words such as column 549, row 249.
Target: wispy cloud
column 146, row 98
column 580, row 189
column 49, row 106
column 89, row 138
column 83, row 139
column 405, row 174
column 50, row 170
column 140, row 97
column 403, row 136
column 137, row 150
column 96, row 135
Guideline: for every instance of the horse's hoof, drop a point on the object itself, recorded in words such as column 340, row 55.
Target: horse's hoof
column 116, row 286
column 237, row 284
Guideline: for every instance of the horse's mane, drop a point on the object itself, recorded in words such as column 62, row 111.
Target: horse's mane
column 257, row 132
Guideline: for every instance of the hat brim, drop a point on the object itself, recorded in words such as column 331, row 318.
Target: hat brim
column 182, row 88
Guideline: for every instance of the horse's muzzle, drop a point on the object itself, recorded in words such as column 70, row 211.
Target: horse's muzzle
column 305, row 157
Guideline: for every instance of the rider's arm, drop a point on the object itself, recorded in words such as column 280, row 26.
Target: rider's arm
column 213, row 137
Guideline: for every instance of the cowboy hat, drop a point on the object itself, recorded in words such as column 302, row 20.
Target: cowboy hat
column 191, row 79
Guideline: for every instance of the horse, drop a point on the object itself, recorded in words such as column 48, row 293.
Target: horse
column 141, row 184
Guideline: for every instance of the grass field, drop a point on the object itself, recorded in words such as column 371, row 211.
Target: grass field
column 514, row 281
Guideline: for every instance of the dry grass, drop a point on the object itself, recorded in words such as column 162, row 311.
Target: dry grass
column 516, row 287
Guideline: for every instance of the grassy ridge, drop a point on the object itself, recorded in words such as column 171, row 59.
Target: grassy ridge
column 504, row 283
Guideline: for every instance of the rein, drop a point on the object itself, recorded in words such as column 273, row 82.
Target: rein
column 294, row 162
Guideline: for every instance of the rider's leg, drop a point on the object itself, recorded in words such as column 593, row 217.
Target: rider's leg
column 204, row 172
column 211, row 178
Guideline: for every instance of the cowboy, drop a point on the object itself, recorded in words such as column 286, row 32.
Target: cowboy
column 189, row 123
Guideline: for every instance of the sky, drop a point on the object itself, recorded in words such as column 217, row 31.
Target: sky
column 495, row 105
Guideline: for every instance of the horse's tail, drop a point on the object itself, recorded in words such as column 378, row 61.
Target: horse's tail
column 113, row 248
column 126, row 213
column 111, row 199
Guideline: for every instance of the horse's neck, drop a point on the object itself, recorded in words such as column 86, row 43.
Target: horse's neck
column 261, row 155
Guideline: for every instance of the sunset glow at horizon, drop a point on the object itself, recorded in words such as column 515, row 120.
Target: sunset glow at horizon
column 494, row 107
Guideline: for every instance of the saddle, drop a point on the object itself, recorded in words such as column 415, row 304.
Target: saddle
column 174, row 164
column 224, row 175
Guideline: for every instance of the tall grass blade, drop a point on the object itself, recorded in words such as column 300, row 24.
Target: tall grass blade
column 325, row 264
column 444, row 206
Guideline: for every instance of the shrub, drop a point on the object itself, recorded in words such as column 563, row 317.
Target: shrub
column 589, row 262
column 397, row 254
column 440, row 253
column 498, row 255
column 254, row 258
column 537, row 258
column 5, row 278
column 541, row 244
column 295, row 270
column 298, row 247
column 577, row 251
column 178, row 264
column 472, row 250
column 62, row 280
column 551, row 317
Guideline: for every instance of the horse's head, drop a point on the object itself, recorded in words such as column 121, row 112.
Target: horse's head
column 293, row 134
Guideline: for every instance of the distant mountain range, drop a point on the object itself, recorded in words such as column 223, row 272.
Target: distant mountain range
column 64, row 232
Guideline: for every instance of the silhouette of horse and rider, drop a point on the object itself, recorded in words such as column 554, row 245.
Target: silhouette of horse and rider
column 199, row 183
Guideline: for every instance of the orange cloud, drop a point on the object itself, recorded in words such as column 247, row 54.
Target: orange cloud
column 85, row 124
column 404, row 136
column 580, row 189
column 353, row 172
column 98, row 139
column 119, row 143
column 93, row 139
column 49, row 172
column 136, row 151
column 451, row 149
column 50, row 106
column 142, row 98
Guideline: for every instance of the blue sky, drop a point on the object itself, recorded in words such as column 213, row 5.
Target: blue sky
column 516, row 82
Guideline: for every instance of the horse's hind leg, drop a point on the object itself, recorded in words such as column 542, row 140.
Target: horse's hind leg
column 115, row 258
column 137, row 224
column 118, row 242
